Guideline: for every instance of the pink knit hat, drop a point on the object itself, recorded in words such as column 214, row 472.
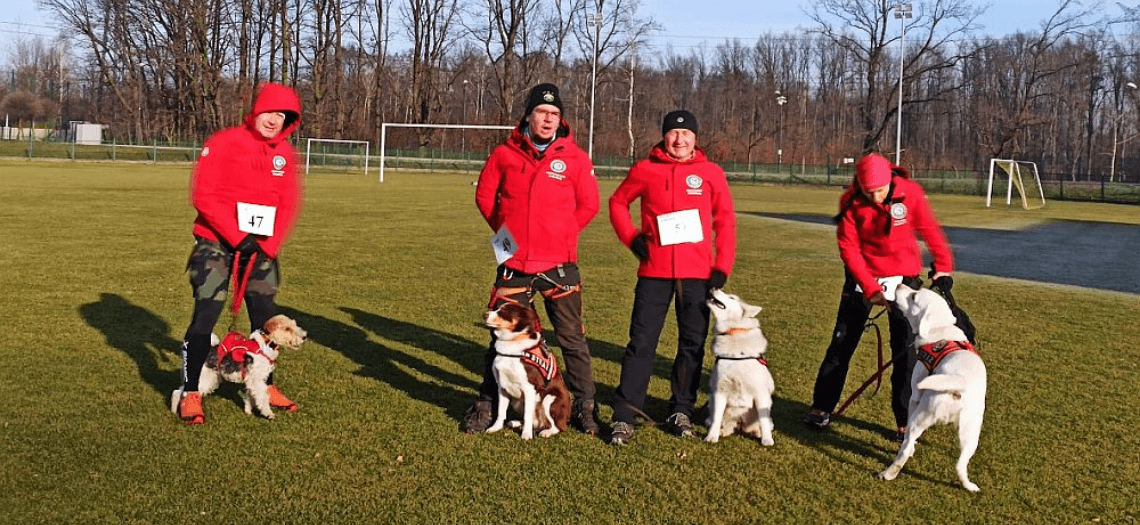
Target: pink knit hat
column 873, row 171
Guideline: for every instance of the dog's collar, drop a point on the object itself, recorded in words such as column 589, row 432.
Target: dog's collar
column 763, row 360
column 734, row 331
column 930, row 355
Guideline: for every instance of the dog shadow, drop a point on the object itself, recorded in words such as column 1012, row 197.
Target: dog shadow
column 449, row 390
column 788, row 417
column 142, row 335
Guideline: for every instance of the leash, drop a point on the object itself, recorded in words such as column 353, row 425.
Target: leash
column 239, row 287
column 876, row 377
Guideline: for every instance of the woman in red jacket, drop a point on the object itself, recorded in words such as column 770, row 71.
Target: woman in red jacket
column 247, row 193
column 880, row 218
column 686, row 245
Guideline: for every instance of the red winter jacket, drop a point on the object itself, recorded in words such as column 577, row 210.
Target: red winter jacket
column 237, row 165
column 879, row 240
column 665, row 185
column 544, row 199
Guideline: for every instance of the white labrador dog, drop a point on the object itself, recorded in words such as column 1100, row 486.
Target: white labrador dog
column 949, row 381
column 741, row 386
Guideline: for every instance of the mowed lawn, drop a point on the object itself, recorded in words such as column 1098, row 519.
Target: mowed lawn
column 391, row 280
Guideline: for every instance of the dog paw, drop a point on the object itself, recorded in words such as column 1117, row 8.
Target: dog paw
column 712, row 437
column 548, row 432
column 494, row 428
column 767, row 442
column 528, row 435
column 887, row 475
column 514, row 424
column 970, row 486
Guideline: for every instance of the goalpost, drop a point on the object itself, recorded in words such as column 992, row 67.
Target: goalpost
column 1023, row 176
column 384, row 134
column 340, row 154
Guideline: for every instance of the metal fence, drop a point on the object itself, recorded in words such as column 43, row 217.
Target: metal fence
column 949, row 181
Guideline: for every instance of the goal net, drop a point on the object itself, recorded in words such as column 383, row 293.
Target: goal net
column 1022, row 176
column 463, row 144
column 336, row 154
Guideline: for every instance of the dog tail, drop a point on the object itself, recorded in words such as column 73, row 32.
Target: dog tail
column 943, row 383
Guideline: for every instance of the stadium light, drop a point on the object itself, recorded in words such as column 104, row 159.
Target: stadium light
column 902, row 12
column 594, row 21
column 780, row 101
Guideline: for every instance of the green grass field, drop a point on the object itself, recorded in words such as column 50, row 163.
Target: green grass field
column 391, row 279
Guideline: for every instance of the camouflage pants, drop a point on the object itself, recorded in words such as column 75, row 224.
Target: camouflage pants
column 210, row 269
column 210, row 274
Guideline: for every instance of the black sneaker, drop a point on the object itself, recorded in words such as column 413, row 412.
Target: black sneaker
column 585, row 416
column 479, row 416
column 678, row 424
column 622, row 433
column 817, row 419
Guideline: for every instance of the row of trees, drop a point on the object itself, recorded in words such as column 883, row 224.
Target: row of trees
column 1062, row 93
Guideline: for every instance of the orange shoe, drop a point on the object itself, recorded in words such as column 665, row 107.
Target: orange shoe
column 278, row 400
column 190, row 409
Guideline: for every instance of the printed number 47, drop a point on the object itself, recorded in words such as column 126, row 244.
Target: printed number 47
column 255, row 221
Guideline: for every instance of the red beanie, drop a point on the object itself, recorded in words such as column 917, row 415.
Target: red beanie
column 873, row 171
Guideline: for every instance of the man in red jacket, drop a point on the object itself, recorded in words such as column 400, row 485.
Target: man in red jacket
column 537, row 192
column 686, row 245
column 247, row 192
column 880, row 218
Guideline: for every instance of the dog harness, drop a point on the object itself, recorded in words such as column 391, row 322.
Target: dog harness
column 539, row 357
column 931, row 355
column 236, row 346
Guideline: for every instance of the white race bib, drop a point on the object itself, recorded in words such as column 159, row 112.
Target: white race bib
column 888, row 284
column 256, row 219
column 680, row 227
column 504, row 244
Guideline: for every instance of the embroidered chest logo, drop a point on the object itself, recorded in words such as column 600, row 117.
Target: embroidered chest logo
column 694, row 183
column 278, row 165
column 557, row 169
column 898, row 213
column 205, row 151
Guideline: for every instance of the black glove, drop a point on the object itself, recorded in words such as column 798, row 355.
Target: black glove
column 249, row 246
column 943, row 284
column 640, row 247
column 717, row 279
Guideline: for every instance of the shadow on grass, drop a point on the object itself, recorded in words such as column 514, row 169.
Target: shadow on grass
column 142, row 335
column 441, row 387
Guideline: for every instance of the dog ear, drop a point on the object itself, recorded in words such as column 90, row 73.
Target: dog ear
column 750, row 310
column 272, row 324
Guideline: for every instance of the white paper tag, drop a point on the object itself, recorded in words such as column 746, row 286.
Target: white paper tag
column 888, row 284
column 256, row 219
column 504, row 244
column 680, row 227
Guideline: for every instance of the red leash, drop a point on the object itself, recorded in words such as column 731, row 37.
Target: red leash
column 876, row 377
column 240, row 286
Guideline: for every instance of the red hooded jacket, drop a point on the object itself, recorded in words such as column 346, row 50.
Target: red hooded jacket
column 237, row 165
column 881, row 240
column 665, row 185
column 544, row 199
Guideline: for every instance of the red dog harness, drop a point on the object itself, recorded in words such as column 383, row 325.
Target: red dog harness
column 542, row 359
column 236, row 346
column 932, row 354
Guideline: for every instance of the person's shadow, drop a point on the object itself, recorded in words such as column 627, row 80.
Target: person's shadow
column 140, row 334
column 431, row 383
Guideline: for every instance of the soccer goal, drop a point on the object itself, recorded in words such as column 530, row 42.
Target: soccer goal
column 1023, row 176
column 336, row 153
column 384, row 134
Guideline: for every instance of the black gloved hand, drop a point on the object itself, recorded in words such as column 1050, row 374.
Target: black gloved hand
column 717, row 279
column 943, row 284
column 640, row 247
column 248, row 247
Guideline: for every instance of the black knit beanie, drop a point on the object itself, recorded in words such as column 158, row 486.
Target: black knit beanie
column 542, row 94
column 679, row 119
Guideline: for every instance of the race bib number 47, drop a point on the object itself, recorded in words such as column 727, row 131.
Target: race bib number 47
column 256, row 219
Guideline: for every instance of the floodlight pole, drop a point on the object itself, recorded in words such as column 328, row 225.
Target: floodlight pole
column 902, row 12
column 594, row 21
column 780, row 101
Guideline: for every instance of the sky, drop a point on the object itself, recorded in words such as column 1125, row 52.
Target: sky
column 687, row 23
